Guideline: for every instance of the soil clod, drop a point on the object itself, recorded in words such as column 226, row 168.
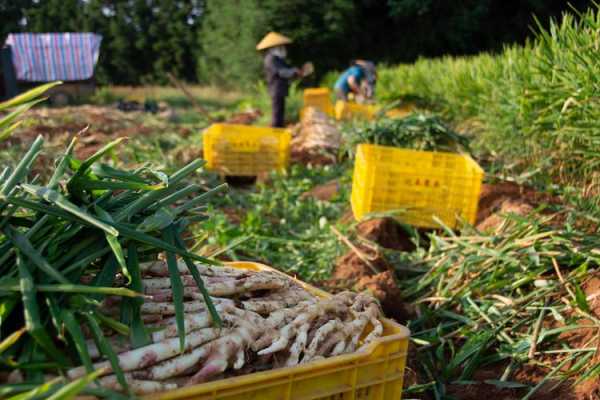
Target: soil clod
column 387, row 233
column 324, row 192
column 497, row 200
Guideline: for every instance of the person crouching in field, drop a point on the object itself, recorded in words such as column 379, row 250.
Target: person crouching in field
column 278, row 73
column 358, row 80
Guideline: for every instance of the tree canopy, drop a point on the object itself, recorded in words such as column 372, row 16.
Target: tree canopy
column 214, row 40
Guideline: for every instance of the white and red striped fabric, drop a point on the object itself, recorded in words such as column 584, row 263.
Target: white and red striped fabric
column 45, row 57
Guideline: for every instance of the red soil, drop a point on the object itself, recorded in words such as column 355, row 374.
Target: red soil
column 324, row 192
column 375, row 275
column 497, row 200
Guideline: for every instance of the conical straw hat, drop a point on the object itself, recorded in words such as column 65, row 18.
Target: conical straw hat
column 271, row 40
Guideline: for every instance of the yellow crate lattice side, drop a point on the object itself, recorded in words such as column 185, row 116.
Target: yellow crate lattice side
column 345, row 110
column 417, row 184
column 319, row 98
column 244, row 150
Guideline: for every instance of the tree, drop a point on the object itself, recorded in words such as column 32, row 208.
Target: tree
column 119, row 58
column 228, row 37
column 12, row 13
column 214, row 40
column 142, row 39
column 322, row 30
column 173, row 35
column 437, row 27
column 55, row 16
column 232, row 28
column 330, row 33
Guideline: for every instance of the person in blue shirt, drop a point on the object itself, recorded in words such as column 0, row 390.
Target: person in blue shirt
column 359, row 79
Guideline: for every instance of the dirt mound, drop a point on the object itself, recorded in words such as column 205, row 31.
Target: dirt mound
column 351, row 267
column 587, row 337
column 507, row 207
column 351, row 271
column 385, row 288
column 365, row 268
column 58, row 125
column 311, row 157
column 387, row 233
column 499, row 199
column 588, row 390
column 480, row 389
column 324, row 192
column 481, row 386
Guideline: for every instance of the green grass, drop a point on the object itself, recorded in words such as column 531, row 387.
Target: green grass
column 481, row 300
column 279, row 227
column 221, row 102
column 210, row 96
column 80, row 223
column 535, row 105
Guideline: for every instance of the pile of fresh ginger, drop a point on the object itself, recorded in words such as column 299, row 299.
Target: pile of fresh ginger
column 268, row 321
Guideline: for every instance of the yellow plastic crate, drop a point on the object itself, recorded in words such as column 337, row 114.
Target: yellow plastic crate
column 244, row 150
column 401, row 111
column 319, row 98
column 349, row 110
column 416, row 184
column 375, row 373
column 345, row 110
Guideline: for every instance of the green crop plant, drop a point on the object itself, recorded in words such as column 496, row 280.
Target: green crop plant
column 538, row 104
column 64, row 242
column 503, row 299
column 275, row 224
column 415, row 131
column 18, row 106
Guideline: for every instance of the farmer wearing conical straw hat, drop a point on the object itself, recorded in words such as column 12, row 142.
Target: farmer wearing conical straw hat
column 279, row 73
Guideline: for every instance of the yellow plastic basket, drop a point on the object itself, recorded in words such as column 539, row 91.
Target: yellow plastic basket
column 375, row 373
column 401, row 111
column 319, row 98
column 345, row 110
column 418, row 185
column 244, row 150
